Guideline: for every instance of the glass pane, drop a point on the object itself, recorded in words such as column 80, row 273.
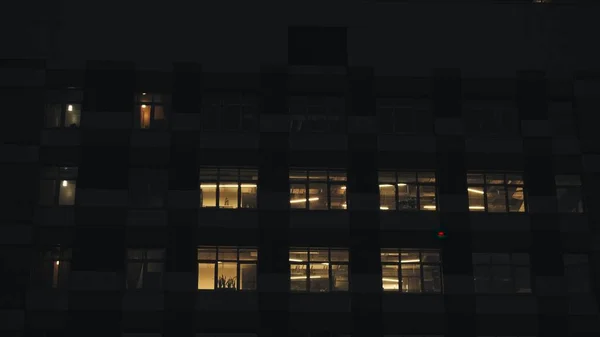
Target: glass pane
column 338, row 197
column 228, row 193
column 298, row 255
column 500, row 258
column 390, row 255
column 145, row 112
column 432, row 279
column 578, row 278
column 49, row 172
column 569, row 200
column 298, row 277
column 426, row 177
column 157, row 98
column 248, row 196
column 387, row 177
column 427, row 198
column 494, row 179
column 64, row 270
column 520, row 259
column 568, row 180
column 407, row 196
column 516, row 199
column 159, row 113
column 390, row 277
column 387, row 197
column 47, row 192
column 298, row 196
column 514, row 179
column 67, row 193
column 522, row 280
column 317, row 196
column 208, row 195
column 227, row 253
column 154, row 275
column 496, row 199
column 135, row 275
column 68, row 173
column 501, row 279
column 319, row 277
column 227, row 275
column 135, row 254
column 207, row 253
column 339, row 255
column 53, row 116
column 248, row 254
column 340, row 280
column 407, row 177
column 206, row 275
column 430, row 257
column 481, row 258
column 298, row 175
column 474, row 178
column 476, row 199
column 73, row 115
column 155, row 254
column 411, row 278
column 231, row 118
column 317, row 175
column 408, row 256
column 145, row 97
column 248, row 175
column 207, row 173
column 248, row 276
column 229, row 175
column 319, row 254
column 337, row 176
column 481, row 275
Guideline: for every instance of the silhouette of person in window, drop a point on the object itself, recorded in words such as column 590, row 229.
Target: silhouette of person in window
column 226, row 201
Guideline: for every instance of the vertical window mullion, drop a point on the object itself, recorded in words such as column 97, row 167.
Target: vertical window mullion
column 484, row 188
column 328, row 184
column 308, row 270
column 421, row 264
column 507, row 208
column 239, row 195
column 216, row 278
column 329, row 265
column 218, row 194
column 237, row 263
column 307, row 194
column 418, row 193
column 396, row 199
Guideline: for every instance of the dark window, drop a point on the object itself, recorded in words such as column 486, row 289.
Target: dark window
column 54, row 268
column 411, row 270
column 489, row 118
column 320, row 114
column 148, row 188
column 145, row 268
column 577, row 273
column 403, row 116
column 501, row 273
column 318, row 46
column 568, row 193
column 407, row 191
column 227, row 268
column 229, row 112
column 319, row 269
column 58, row 186
column 496, row 192
column 228, row 187
column 317, row 189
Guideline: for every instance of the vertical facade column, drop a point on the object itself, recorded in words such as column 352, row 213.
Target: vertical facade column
column 453, row 203
column 273, row 209
column 363, row 208
column 180, row 317
column 95, row 297
column 546, row 242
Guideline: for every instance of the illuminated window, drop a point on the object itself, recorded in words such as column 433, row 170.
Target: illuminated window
column 317, row 189
column 411, row 270
column 316, row 114
column 54, row 268
column 501, row 273
column 229, row 112
column 64, row 109
column 403, row 116
column 568, row 193
column 228, row 187
column 407, row 191
column 496, row 192
column 227, row 268
column 148, row 188
column 150, row 111
column 57, row 186
column 577, row 273
column 319, row 269
column 145, row 268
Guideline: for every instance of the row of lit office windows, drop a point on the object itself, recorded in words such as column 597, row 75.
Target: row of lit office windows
column 324, row 270
column 234, row 188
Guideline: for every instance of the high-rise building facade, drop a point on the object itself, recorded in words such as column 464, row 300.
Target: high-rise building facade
column 302, row 177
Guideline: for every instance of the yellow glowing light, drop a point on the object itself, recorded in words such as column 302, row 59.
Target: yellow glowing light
column 476, row 207
column 389, row 280
column 295, row 201
column 65, row 183
column 69, row 107
column 475, row 191
column 384, row 207
column 429, row 207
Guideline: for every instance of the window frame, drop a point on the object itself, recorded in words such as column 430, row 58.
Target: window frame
column 149, row 176
column 332, row 107
column 145, row 261
column 63, row 98
column 217, row 182
column 512, row 266
column 577, row 261
column 329, row 262
column 217, row 260
column 343, row 184
column 156, row 100
column 58, row 179
column 505, row 185
column 416, row 182
column 53, row 255
column 420, row 251
column 219, row 102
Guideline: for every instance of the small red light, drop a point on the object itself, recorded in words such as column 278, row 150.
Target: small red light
column 441, row 234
